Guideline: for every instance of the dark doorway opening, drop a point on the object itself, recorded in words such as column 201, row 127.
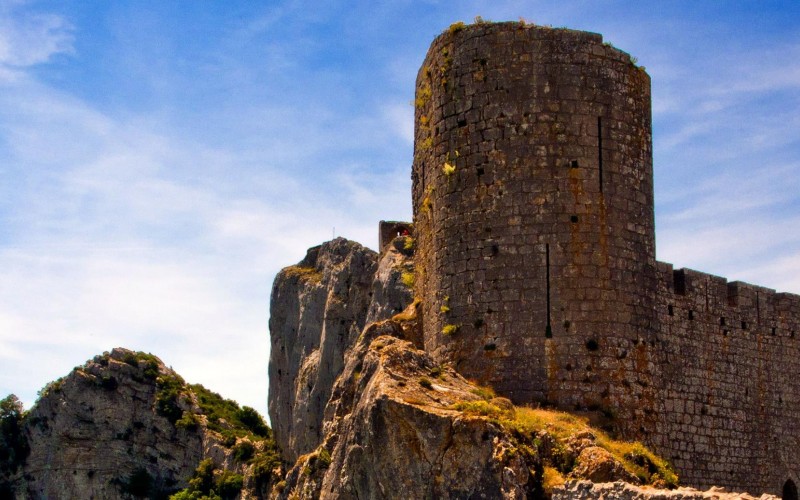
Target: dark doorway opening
column 789, row 490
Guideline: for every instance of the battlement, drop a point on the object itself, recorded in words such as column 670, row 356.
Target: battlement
column 695, row 295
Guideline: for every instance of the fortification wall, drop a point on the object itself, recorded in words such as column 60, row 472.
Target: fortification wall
column 730, row 391
column 533, row 213
column 532, row 195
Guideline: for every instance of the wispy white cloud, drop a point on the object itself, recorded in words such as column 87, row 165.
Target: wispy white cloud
column 28, row 38
column 159, row 226
column 126, row 231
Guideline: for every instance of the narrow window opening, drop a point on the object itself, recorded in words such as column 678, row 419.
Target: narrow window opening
column 573, row 163
column 600, row 150
column 679, row 282
column 573, row 219
column 744, row 325
column 691, row 315
column 721, row 321
column 789, row 490
column 462, row 123
column 549, row 329
column 758, row 309
column 774, row 331
column 480, row 171
column 671, row 310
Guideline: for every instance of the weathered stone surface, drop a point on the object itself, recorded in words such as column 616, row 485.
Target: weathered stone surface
column 92, row 431
column 586, row 490
column 125, row 426
column 318, row 309
column 391, row 434
column 599, row 466
column 389, row 294
column 107, row 431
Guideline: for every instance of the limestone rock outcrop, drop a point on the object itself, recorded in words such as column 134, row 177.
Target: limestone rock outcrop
column 392, row 431
column 318, row 309
column 126, row 426
column 98, row 432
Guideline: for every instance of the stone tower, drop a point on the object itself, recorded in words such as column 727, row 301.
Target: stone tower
column 533, row 212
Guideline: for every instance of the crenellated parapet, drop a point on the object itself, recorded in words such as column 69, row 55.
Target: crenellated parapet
column 690, row 295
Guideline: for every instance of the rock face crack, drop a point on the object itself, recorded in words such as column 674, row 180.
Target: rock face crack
column 318, row 309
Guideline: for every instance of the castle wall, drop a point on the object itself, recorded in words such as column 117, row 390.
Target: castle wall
column 532, row 190
column 729, row 358
column 533, row 213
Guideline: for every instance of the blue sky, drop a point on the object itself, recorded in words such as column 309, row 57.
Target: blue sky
column 160, row 161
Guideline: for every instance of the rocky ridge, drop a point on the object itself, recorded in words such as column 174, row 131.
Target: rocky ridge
column 125, row 426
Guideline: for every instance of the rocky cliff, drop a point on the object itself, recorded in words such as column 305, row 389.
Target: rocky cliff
column 399, row 425
column 125, row 426
column 318, row 309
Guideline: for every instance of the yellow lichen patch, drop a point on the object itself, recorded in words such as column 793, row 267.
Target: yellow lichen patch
column 456, row 27
column 551, row 479
column 449, row 329
column 423, row 95
column 407, row 278
column 448, row 169
column 303, row 273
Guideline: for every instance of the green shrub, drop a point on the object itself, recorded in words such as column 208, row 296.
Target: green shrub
column 14, row 446
column 250, row 418
column 483, row 408
column 426, row 383
column 188, row 421
column 243, row 451
column 229, row 484
column 486, row 393
column 265, row 464
column 170, row 387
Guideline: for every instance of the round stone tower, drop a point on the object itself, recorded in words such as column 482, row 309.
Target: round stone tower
column 533, row 212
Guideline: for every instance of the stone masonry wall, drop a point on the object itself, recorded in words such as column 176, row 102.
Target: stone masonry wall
column 730, row 390
column 533, row 213
column 532, row 190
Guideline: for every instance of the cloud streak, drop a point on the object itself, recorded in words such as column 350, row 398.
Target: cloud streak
column 149, row 200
